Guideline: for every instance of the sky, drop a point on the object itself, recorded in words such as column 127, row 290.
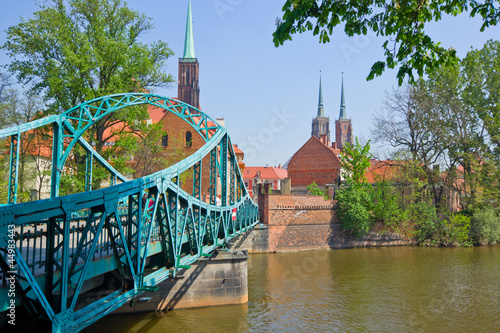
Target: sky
column 267, row 95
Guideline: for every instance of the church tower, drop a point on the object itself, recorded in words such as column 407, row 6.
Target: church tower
column 343, row 126
column 321, row 124
column 188, row 89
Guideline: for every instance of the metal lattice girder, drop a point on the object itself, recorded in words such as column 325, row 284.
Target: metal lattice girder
column 89, row 162
column 213, row 176
column 232, row 180
column 197, row 180
column 223, row 169
column 15, row 143
column 163, row 217
column 184, row 225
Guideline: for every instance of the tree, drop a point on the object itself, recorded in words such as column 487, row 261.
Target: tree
column 355, row 160
column 4, row 93
column 482, row 89
column 445, row 120
column 407, row 46
column 314, row 190
column 76, row 50
column 353, row 198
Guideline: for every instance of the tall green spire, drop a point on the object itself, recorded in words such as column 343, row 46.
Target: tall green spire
column 343, row 114
column 321, row 112
column 189, row 41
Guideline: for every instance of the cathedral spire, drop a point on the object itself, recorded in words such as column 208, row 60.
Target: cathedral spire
column 343, row 114
column 189, row 41
column 321, row 112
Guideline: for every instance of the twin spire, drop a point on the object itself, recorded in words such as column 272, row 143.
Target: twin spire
column 321, row 112
column 189, row 41
column 343, row 114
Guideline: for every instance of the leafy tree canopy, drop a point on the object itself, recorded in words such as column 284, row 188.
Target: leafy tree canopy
column 407, row 46
column 355, row 160
column 73, row 51
column 76, row 50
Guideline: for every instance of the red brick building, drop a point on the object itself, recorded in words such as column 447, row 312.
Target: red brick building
column 314, row 162
column 318, row 159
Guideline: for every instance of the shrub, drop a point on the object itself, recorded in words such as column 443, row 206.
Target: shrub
column 424, row 215
column 485, row 226
column 455, row 230
column 353, row 211
column 385, row 205
column 314, row 190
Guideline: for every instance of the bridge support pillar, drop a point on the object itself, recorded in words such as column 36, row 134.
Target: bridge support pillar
column 219, row 280
column 256, row 241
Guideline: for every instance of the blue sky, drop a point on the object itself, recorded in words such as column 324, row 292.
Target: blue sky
column 269, row 95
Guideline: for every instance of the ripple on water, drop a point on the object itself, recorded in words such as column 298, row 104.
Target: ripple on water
column 357, row 290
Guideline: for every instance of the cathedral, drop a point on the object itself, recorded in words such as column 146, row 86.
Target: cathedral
column 318, row 160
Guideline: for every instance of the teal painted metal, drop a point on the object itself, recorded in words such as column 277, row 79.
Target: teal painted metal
column 321, row 112
column 343, row 114
column 89, row 165
column 63, row 238
column 189, row 40
column 15, row 143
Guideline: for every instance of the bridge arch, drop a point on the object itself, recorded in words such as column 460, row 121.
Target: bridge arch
column 72, row 124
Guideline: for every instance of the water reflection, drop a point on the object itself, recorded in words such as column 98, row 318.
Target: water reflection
column 372, row 290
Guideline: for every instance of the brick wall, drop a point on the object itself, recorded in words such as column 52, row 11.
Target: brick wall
column 305, row 222
column 302, row 222
column 313, row 162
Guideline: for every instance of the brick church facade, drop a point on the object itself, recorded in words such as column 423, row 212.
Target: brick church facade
column 318, row 160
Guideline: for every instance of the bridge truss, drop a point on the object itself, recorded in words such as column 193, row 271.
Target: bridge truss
column 145, row 229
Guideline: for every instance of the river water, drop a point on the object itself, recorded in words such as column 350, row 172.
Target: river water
column 398, row 289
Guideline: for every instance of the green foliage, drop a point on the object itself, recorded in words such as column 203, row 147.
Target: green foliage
column 454, row 230
column 424, row 215
column 314, row 190
column 450, row 230
column 385, row 205
column 77, row 50
column 353, row 199
column 403, row 23
column 355, row 160
column 353, row 211
column 73, row 51
column 485, row 226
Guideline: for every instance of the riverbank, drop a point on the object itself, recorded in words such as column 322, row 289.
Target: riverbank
column 271, row 238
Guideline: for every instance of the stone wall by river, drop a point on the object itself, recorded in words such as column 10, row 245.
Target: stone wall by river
column 305, row 222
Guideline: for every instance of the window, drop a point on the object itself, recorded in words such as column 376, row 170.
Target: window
column 189, row 139
column 164, row 140
column 345, row 127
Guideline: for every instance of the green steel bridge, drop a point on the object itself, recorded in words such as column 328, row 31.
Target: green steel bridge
column 50, row 249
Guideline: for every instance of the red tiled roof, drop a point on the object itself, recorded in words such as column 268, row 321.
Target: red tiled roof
column 265, row 173
column 382, row 170
column 237, row 150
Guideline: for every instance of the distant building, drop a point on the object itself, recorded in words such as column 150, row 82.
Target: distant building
column 318, row 159
column 180, row 139
column 270, row 175
column 314, row 162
